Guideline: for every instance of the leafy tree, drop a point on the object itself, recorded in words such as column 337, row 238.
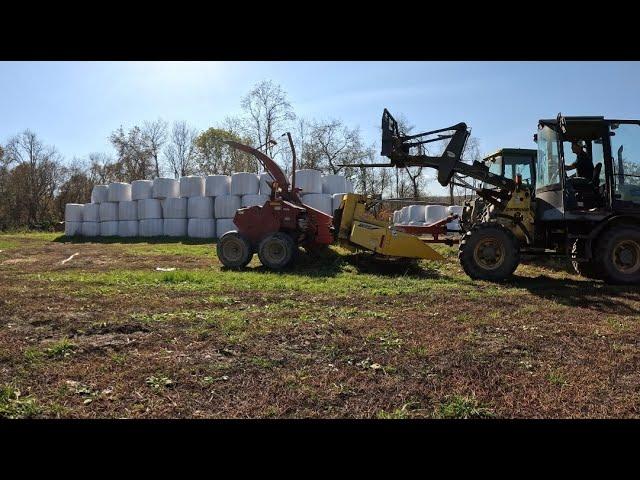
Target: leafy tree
column 213, row 157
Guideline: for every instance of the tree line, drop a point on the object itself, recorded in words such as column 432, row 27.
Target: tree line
column 36, row 182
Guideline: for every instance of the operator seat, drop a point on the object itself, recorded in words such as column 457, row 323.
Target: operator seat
column 587, row 190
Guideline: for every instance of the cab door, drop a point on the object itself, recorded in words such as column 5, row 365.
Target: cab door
column 550, row 201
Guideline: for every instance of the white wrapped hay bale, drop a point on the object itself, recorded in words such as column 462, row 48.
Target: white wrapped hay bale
column 224, row 225
column 73, row 212
column 191, row 186
column 127, row 228
column 434, row 213
column 100, row 194
column 416, row 213
column 244, row 183
column 319, row 201
column 403, row 216
column 151, row 227
column 109, row 229
column 128, row 211
column 336, row 200
column 72, row 229
column 201, row 228
column 91, row 212
column 200, row 207
column 119, row 192
column 174, row 208
column 141, row 189
column 108, row 212
column 252, row 200
column 225, row 206
column 310, row 181
column 350, row 188
column 395, row 219
column 90, row 229
column 334, row 184
column 175, row 227
column 149, row 208
column 454, row 210
column 165, row 188
column 265, row 179
column 216, row 185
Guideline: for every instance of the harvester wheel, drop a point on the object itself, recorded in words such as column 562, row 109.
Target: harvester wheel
column 618, row 255
column 277, row 251
column 585, row 269
column 234, row 251
column 489, row 252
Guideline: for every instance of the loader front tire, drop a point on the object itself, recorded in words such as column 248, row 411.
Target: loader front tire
column 234, row 250
column 277, row 251
column 489, row 252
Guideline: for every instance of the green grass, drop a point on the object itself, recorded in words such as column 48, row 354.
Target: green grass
column 557, row 378
column 13, row 405
column 61, row 349
column 257, row 279
column 458, row 406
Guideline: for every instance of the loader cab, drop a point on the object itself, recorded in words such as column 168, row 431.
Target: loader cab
column 613, row 148
column 510, row 162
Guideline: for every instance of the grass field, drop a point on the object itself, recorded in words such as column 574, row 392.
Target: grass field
column 106, row 334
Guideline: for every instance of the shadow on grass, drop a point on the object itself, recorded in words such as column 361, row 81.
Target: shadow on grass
column 555, row 264
column 590, row 294
column 134, row 240
column 332, row 264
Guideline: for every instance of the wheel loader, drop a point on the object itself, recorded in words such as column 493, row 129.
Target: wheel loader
column 594, row 221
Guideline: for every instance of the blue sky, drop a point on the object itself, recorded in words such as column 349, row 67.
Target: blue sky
column 76, row 105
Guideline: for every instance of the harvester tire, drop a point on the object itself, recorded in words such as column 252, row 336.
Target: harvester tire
column 587, row 269
column 277, row 251
column 618, row 255
column 234, row 250
column 489, row 252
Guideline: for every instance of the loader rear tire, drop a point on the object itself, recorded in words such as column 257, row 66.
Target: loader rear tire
column 277, row 251
column 489, row 252
column 234, row 250
column 618, row 255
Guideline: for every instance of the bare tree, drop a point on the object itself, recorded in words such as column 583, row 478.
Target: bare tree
column 331, row 144
column 181, row 150
column 154, row 136
column 268, row 113
column 133, row 154
column 33, row 181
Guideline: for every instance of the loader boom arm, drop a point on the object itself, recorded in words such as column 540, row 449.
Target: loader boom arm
column 397, row 148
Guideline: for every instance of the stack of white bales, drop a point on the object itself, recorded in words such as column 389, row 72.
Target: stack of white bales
column 322, row 192
column 194, row 206
column 73, row 217
column 242, row 190
column 91, row 211
column 147, row 197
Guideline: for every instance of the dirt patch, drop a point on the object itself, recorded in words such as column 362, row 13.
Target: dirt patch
column 545, row 345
